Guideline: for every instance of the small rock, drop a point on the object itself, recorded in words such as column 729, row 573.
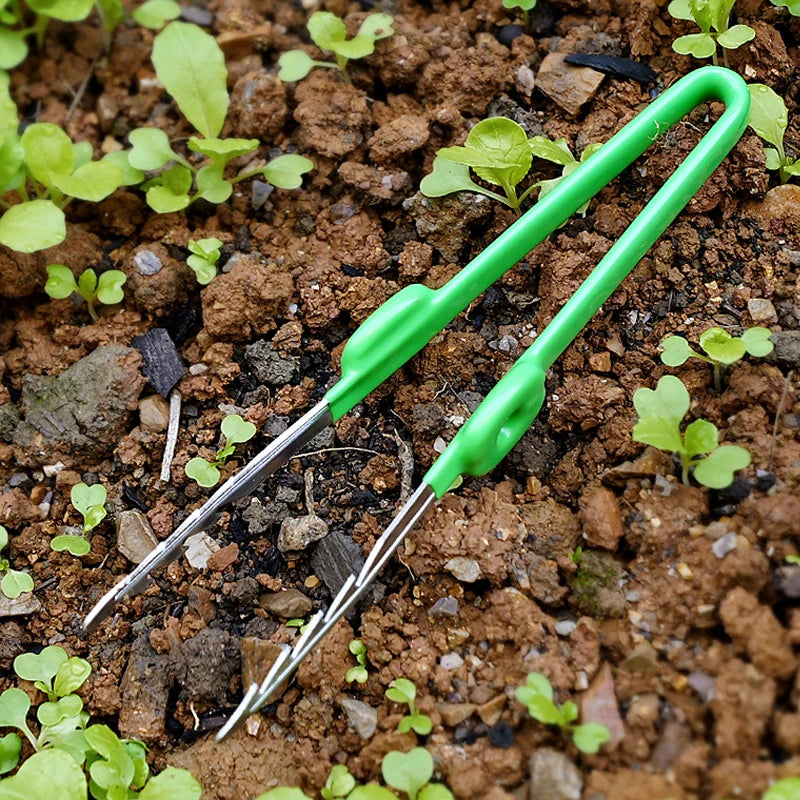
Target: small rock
column 196, row 15
column 162, row 364
column 642, row 659
column 724, row 545
column 363, row 719
column 297, row 533
column 259, row 192
column 154, row 413
column 51, row 470
column 466, row 570
column 147, row 263
column 490, row 711
column 205, row 665
column 334, row 559
column 595, row 590
column 761, row 310
column 451, row 661
column 444, row 607
column 224, row 557
column 203, row 602
column 258, row 656
column 703, row 684
column 567, row 86
column 675, row 738
column 553, row 776
column 23, row 605
column 268, row 366
column 199, row 548
column 564, row 627
column 287, row 604
column 145, row 691
column 455, row 713
column 501, row 735
column 787, row 581
column 135, row 537
column 261, row 517
column 602, row 519
column 599, row 704
column 787, row 348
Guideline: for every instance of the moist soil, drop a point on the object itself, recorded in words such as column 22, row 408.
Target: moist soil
column 679, row 624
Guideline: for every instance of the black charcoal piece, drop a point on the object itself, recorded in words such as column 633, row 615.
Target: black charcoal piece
column 334, row 559
column 162, row 364
column 614, row 66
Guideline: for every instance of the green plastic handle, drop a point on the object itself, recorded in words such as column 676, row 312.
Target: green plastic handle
column 408, row 320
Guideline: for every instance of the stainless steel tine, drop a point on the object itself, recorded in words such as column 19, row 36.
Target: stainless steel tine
column 277, row 453
column 350, row 592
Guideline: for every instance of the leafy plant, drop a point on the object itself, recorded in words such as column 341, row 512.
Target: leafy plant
column 500, row 153
column 526, row 5
column 576, row 555
column 537, row 695
column 359, row 672
column 107, row 289
column 236, row 431
column 411, row 773
column 712, row 17
column 90, row 501
column 339, row 784
column 191, row 66
column 720, row 347
column 661, row 412
column 769, row 119
column 784, row 789
column 403, row 691
column 329, row 33
column 14, row 582
column 205, row 254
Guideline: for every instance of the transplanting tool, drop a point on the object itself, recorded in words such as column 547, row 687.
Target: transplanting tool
column 409, row 319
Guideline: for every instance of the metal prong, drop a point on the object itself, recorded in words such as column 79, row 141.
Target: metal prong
column 277, row 453
column 351, row 591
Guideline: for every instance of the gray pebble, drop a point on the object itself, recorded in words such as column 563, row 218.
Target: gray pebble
column 565, row 627
column 198, row 16
column 724, row 545
column 363, row 719
column 451, row 661
column 464, row 569
column 444, row 607
column 147, row 263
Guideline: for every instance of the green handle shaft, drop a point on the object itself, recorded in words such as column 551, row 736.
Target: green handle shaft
column 512, row 405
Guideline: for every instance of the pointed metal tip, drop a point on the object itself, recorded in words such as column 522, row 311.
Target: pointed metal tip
column 238, row 717
column 102, row 609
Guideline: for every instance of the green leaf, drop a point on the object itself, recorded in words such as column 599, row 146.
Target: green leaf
column 87, row 283
column 10, row 747
column 700, row 437
column 93, row 181
column 785, row 788
column 717, row 468
column 71, row 675
column 85, row 498
column 794, row 9
column 172, row 784
column 206, row 248
column 221, row 151
column 539, row 684
column 756, row 341
column 12, row 154
column 236, row 430
column 150, row 149
column 377, row 27
column 118, row 766
column 448, row 177
column 4, row 540
column 402, row 690
column 735, row 37
column 65, row 10
column 48, row 151
column 14, row 583
column 680, row 9
column 169, row 191
column 768, row 115
column 32, row 226
column 699, row 45
column 203, row 473
column 60, row 282
column 154, row 13
column 81, row 154
column 190, row 64
column 43, row 771
column 359, row 674
column 589, row 737
column 369, row 792
column 13, row 48
column 204, row 270
column 419, row 723
column 408, row 772
column 212, row 186
column 109, row 287
column 436, row 791
column 720, row 346
column 569, row 712
column 111, row 14
column 75, row 545
column 51, row 713
column 658, row 432
column 541, row 708
column 340, row 782
column 525, row 5
column 14, row 707
column 130, row 175
column 326, row 30
column 294, row 65
column 288, row 793
column 558, row 151
column 356, row 646
column 42, row 666
column 286, row 171
column 669, row 400
column 675, row 350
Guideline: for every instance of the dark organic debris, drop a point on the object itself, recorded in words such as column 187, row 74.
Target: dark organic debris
column 162, row 364
column 614, row 66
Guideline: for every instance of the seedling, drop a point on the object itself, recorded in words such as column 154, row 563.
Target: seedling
column 576, row 555
column 236, row 431
column 359, row 672
column 793, row 558
column 90, row 501
column 526, row 5
column 785, row 788
column 14, row 582
column 297, row 622
column 403, row 691
column 720, row 347
column 191, row 66
column 107, row 289
column 329, row 33
column 339, row 784
column 769, row 119
column 205, row 254
column 410, row 773
column 712, row 17
column 661, row 412
column 537, row 695
column 559, row 153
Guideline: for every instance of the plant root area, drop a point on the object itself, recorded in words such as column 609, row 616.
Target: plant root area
column 676, row 624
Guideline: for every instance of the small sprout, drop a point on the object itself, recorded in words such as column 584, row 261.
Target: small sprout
column 769, row 119
column 526, row 5
column 359, row 672
column 537, row 695
column 403, row 691
column 155, row 14
column 52, row 671
column 793, row 558
column 720, row 347
column 785, row 788
column 205, row 254
column 329, row 33
column 284, row 793
column 559, row 153
column 661, row 412
column 411, row 773
column 14, row 582
column 577, row 554
column 339, row 784
column 236, row 431
column 712, row 17
column 90, row 501
column 107, row 289
column 297, row 622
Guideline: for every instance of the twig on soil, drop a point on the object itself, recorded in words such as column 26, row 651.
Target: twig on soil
column 778, row 412
column 335, row 450
column 172, row 435
column 78, row 95
column 406, row 459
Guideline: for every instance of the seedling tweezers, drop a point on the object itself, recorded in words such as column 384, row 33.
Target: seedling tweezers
column 409, row 319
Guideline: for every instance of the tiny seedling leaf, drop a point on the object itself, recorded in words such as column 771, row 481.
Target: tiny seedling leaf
column 75, row 545
column 60, row 282
column 212, row 186
column 221, row 151
column 170, row 191
column 447, row 177
column 402, row 690
column 717, row 468
column 437, row 791
column 43, row 771
column 675, row 351
column 65, row 10
column 590, row 736
column 558, row 151
column 680, row 9
column 700, row 437
column 720, row 346
column 540, row 684
column 52, row 713
column 154, row 13
column 11, row 156
column 359, row 674
column 120, row 159
column 525, row 5
column 339, row 784
column 669, row 400
column 87, row 284
column 42, row 666
column 294, row 65
column 71, row 675
column 408, row 772
column 4, row 544
column 191, row 65
column 109, row 287
column 48, row 151
column 784, row 789
column 150, row 149
column 236, row 430
column 14, row 707
column 14, row 583
column 699, row 45
column 202, row 472
column 540, row 707
column 286, row 793
column 172, row 784
column 736, row 36
column 10, row 747
column 33, row 226
column 13, row 48
column 326, row 30
column 419, row 723
column 757, row 341
column 93, row 181
column 768, row 115
column 286, row 171
column 370, row 791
